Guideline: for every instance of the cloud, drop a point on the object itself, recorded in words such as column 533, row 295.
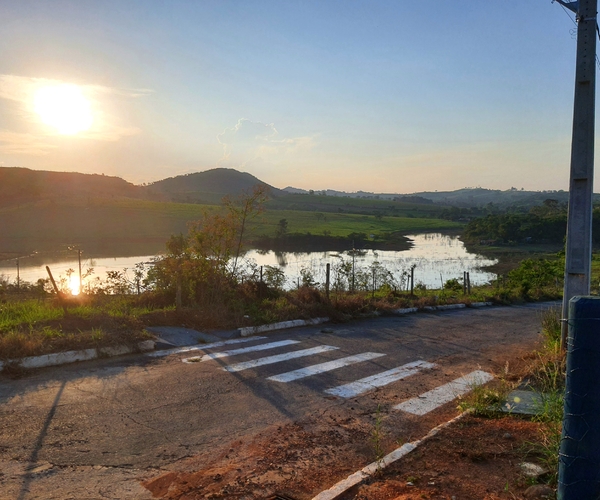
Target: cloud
column 105, row 104
column 251, row 143
column 20, row 143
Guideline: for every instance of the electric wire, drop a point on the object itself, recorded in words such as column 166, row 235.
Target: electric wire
column 568, row 15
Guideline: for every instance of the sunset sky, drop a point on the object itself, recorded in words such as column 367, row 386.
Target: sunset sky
column 385, row 96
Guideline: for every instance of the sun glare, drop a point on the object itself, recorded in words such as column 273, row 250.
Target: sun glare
column 64, row 107
column 74, row 284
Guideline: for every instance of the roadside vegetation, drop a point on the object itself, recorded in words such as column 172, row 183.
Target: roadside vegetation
column 544, row 373
column 203, row 282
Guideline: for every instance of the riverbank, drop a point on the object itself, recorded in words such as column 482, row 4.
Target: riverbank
column 301, row 243
column 510, row 256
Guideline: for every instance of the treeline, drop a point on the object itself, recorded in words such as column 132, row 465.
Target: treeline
column 542, row 224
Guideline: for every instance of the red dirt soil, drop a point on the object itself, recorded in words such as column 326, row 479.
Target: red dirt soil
column 476, row 458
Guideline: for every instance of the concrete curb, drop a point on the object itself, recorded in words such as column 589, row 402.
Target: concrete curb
column 63, row 358
column 251, row 330
column 407, row 310
column 345, row 484
column 443, row 307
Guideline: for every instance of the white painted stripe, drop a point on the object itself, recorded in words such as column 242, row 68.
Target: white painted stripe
column 379, row 380
column 431, row 400
column 278, row 358
column 201, row 347
column 345, row 484
column 324, row 367
column 243, row 350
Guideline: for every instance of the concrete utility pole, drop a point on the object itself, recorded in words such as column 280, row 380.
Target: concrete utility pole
column 579, row 225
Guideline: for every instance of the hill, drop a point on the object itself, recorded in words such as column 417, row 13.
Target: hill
column 207, row 187
column 22, row 185
column 465, row 198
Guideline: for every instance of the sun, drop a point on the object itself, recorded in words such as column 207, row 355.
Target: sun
column 64, row 108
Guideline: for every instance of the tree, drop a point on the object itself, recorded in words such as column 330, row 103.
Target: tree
column 282, row 228
column 245, row 208
column 203, row 264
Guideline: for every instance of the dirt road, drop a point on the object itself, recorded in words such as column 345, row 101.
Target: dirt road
column 245, row 422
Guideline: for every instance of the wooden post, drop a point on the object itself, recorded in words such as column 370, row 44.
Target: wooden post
column 261, row 274
column 178, row 302
column 412, row 280
column 373, row 294
column 58, row 293
column 468, row 283
column 178, row 293
column 79, row 259
column 464, row 282
column 327, row 275
column 353, row 263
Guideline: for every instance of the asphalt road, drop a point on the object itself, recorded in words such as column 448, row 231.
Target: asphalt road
column 93, row 429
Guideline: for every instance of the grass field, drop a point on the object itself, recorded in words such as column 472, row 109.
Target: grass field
column 128, row 226
column 341, row 224
column 317, row 203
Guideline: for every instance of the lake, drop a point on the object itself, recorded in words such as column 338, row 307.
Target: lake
column 437, row 258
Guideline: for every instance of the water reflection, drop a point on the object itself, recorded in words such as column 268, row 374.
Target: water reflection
column 437, row 258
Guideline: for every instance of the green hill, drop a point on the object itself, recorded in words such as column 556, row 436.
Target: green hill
column 207, row 187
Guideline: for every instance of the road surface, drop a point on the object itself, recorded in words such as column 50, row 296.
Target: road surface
column 99, row 429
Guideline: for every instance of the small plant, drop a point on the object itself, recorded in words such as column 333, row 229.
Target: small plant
column 97, row 334
column 486, row 400
column 377, row 437
column 551, row 325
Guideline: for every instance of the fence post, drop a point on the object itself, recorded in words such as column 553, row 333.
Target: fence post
column 579, row 455
column 373, row 294
column 59, row 295
column 327, row 274
column 468, row 283
column 178, row 303
column 412, row 280
column 464, row 282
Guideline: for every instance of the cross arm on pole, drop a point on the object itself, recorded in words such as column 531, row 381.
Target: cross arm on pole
column 572, row 6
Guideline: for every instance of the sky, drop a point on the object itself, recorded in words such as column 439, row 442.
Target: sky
column 383, row 96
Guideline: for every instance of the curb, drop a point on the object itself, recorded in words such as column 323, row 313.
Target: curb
column 444, row 307
column 63, row 358
column 345, row 484
column 251, row 330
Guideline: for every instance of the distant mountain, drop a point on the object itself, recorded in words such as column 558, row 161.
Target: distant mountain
column 207, row 187
column 478, row 197
column 22, row 185
column 466, row 197
column 293, row 190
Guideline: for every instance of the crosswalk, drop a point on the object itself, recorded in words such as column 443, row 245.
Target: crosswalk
column 367, row 384
column 420, row 405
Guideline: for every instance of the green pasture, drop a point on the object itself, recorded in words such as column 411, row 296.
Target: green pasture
column 129, row 226
column 336, row 224
column 317, row 202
